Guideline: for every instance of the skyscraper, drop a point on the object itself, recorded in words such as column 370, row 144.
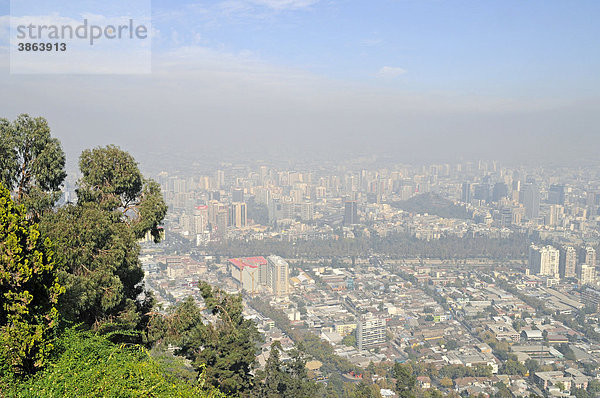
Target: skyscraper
column 238, row 215
column 237, row 195
column 466, row 192
column 556, row 195
column 481, row 192
column 500, row 191
column 568, row 262
column 531, row 201
column 544, row 260
column 221, row 221
column 350, row 212
column 200, row 219
column 220, row 179
column 278, row 275
column 590, row 256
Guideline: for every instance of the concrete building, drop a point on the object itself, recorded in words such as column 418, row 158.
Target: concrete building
column 544, row 260
column 466, row 192
column 568, row 262
column 590, row 256
column 586, row 274
column 278, row 275
column 531, row 201
column 237, row 195
column 238, row 215
column 370, row 332
column 249, row 272
column 350, row 212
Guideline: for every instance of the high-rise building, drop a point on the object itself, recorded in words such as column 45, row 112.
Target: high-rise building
column 544, row 260
column 555, row 213
column 481, row 192
column 466, row 192
column 238, row 215
column 370, row 332
column 506, row 216
column 586, row 274
column 499, row 191
column 215, row 195
column 307, row 211
column 214, row 207
column 568, row 262
column 556, row 195
column 200, row 219
column 278, row 275
column 350, row 212
column 220, row 179
column 221, row 222
column 590, row 256
column 531, row 201
column 593, row 202
column 237, row 195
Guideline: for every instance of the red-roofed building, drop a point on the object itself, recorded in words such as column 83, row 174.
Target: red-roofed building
column 250, row 272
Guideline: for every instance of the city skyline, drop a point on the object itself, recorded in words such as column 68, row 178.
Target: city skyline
column 411, row 79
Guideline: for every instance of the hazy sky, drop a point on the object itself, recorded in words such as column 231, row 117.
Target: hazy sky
column 511, row 79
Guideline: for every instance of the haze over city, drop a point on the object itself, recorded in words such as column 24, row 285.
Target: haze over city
column 300, row 198
column 437, row 80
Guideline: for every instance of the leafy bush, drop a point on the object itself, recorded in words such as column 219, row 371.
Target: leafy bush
column 90, row 365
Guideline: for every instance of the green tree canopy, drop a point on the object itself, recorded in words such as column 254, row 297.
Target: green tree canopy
column 90, row 365
column 96, row 241
column 28, row 289
column 224, row 343
column 100, row 266
column 289, row 380
column 32, row 163
column 405, row 380
column 112, row 180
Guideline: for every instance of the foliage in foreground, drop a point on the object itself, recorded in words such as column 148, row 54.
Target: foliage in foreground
column 96, row 241
column 28, row 291
column 224, row 348
column 32, row 163
column 89, row 365
column 280, row 379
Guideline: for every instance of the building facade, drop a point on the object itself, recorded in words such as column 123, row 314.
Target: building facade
column 370, row 332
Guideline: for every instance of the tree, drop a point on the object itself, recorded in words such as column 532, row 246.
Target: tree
column 579, row 393
column 349, row 340
column 405, row 380
column 224, row 347
column 363, row 390
column 446, row 382
column 451, row 345
column 229, row 345
column 279, row 380
column 503, row 391
column 532, row 366
column 273, row 382
column 512, row 367
column 29, row 291
column 32, row 163
column 594, row 387
column 100, row 267
column 90, row 365
column 111, row 179
column 96, row 241
column 567, row 351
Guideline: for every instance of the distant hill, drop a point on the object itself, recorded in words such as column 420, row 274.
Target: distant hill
column 431, row 203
